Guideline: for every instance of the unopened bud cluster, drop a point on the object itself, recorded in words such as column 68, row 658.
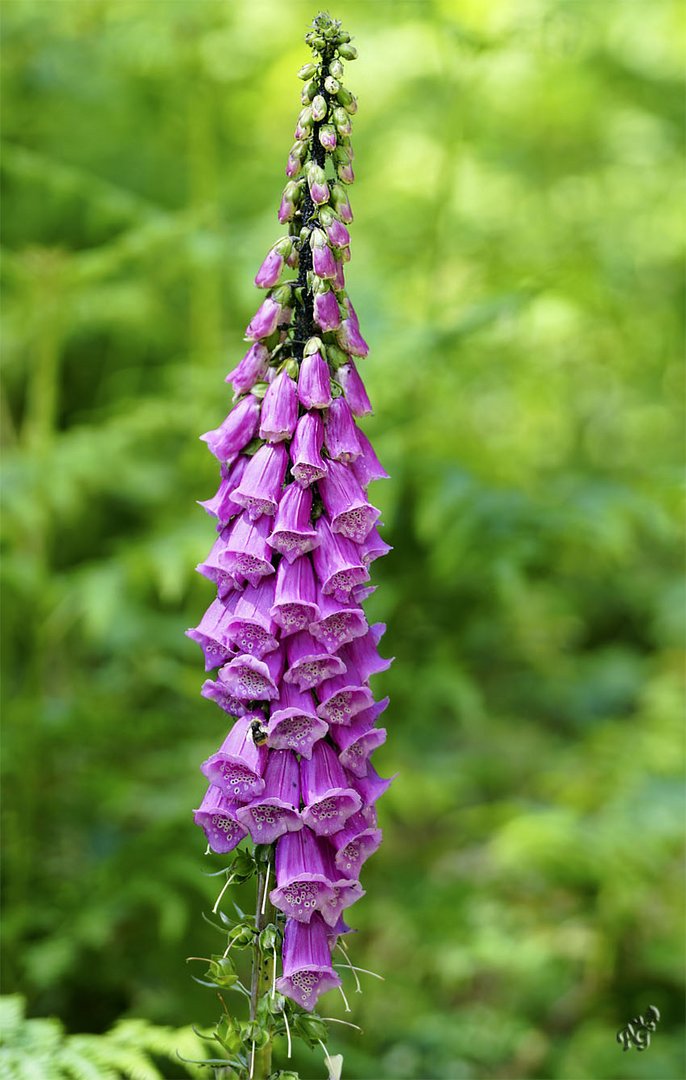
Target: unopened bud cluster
column 291, row 563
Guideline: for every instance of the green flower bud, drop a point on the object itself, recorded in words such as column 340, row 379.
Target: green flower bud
column 348, row 52
column 319, row 107
column 269, row 938
column 299, row 150
column 347, row 100
column 343, row 36
column 336, row 69
column 307, row 71
column 342, row 120
column 309, row 91
column 331, row 85
column 312, row 345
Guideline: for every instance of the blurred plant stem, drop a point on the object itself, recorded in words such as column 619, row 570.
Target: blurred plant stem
column 263, row 969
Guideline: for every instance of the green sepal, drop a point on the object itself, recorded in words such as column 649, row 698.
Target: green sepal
column 252, row 447
column 284, row 1075
column 253, row 1032
column 242, row 935
column 227, row 1034
column 244, row 866
column 336, row 389
column 336, row 356
column 222, row 972
column 259, row 389
column 269, row 938
column 311, row 1029
column 292, row 368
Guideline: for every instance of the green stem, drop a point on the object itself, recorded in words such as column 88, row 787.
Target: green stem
column 262, row 970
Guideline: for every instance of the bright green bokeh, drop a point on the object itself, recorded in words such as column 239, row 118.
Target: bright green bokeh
column 516, row 268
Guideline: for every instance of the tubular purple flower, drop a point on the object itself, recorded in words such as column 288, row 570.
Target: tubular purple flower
column 367, row 466
column 342, row 697
column 316, row 182
column 348, row 333
column 371, row 786
column 217, row 816
column 211, row 632
column 221, row 505
column 279, row 409
column 307, row 463
column 337, row 562
column 293, row 534
column 314, row 382
column 237, row 767
column 246, row 551
column 353, row 388
column 322, row 256
column 239, row 427
column 265, row 320
column 295, row 604
column 301, row 883
column 215, row 690
column 294, row 724
column 346, row 503
column 260, row 488
column 308, row 663
column 213, row 567
column 357, row 740
column 277, row 810
column 338, row 622
column 345, row 890
column 354, row 843
column 326, row 311
column 270, row 270
column 250, row 369
column 340, row 433
column 250, row 679
column 373, row 547
column 251, row 627
column 328, row 798
column 307, row 970
column 361, row 656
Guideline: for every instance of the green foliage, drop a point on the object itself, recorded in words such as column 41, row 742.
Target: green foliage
column 132, row 1050
column 515, row 268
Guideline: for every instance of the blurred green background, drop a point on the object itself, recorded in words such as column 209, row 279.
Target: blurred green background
column 516, row 268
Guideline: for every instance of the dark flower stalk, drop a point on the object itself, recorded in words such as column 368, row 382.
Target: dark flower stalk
column 287, row 630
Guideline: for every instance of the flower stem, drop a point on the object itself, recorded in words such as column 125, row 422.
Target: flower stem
column 262, row 969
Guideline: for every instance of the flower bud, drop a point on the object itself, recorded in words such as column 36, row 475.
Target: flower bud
column 319, row 107
column 341, row 203
column 341, row 37
column 336, row 356
column 304, row 126
column 342, row 120
column 323, row 261
column 312, row 345
column 307, row 71
column 331, row 85
column 327, row 136
column 348, row 52
column 316, row 179
column 336, row 69
column 289, row 201
column 347, row 100
column 345, row 172
column 309, row 91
